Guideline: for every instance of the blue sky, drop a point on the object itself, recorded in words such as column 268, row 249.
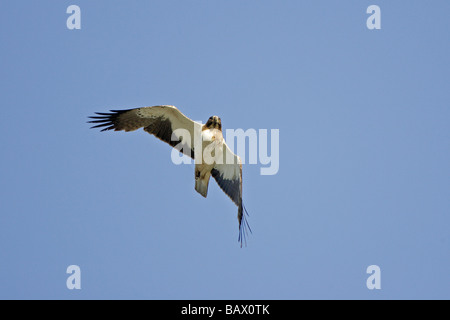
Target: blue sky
column 364, row 172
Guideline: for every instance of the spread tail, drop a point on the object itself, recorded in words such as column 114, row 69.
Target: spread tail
column 201, row 185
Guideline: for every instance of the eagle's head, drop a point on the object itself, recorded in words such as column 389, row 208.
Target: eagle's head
column 214, row 122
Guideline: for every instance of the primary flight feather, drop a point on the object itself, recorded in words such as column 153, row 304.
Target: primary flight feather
column 204, row 143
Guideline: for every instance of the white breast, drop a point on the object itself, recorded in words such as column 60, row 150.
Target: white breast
column 207, row 135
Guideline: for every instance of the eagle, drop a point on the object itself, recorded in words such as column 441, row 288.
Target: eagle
column 203, row 143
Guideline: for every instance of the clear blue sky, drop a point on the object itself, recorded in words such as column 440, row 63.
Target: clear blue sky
column 364, row 173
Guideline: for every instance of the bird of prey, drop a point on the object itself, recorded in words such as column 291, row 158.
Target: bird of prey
column 203, row 143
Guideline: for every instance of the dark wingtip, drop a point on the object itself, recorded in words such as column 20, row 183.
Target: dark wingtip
column 244, row 227
column 105, row 119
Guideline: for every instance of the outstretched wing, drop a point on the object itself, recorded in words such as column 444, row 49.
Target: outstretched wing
column 161, row 121
column 228, row 176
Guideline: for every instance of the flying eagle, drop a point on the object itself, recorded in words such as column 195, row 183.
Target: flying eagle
column 203, row 143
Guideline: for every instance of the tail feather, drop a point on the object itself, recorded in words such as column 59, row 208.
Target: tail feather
column 201, row 186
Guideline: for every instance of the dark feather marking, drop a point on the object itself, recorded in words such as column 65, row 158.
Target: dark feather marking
column 244, row 227
column 162, row 129
column 230, row 187
column 97, row 121
column 232, row 190
column 107, row 119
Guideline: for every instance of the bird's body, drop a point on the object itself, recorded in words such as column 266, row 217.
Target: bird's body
column 204, row 143
column 212, row 140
